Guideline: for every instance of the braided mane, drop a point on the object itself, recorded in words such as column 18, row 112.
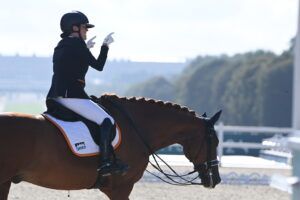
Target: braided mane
column 149, row 101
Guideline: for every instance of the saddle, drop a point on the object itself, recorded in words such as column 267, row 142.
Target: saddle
column 60, row 112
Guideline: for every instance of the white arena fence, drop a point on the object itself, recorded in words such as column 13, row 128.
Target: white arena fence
column 276, row 142
column 225, row 129
column 290, row 184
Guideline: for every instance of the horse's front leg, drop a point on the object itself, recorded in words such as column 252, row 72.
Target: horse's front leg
column 4, row 190
column 121, row 192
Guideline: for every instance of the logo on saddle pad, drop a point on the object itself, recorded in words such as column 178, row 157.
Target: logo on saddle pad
column 78, row 137
column 80, row 146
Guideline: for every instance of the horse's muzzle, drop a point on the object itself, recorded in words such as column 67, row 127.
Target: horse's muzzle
column 211, row 177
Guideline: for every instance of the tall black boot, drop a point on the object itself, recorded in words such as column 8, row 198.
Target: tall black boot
column 108, row 165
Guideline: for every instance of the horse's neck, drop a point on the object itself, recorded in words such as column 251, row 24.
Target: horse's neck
column 165, row 127
column 158, row 126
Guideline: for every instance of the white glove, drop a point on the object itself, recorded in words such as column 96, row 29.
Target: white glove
column 90, row 43
column 108, row 39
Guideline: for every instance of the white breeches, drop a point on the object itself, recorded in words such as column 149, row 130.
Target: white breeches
column 86, row 108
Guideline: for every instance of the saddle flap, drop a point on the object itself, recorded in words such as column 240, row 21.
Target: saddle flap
column 79, row 138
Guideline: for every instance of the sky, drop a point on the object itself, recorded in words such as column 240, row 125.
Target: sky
column 153, row 30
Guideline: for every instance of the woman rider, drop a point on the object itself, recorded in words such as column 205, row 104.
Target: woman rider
column 71, row 60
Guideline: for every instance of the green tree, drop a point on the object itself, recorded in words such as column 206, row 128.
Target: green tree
column 254, row 88
column 157, row 88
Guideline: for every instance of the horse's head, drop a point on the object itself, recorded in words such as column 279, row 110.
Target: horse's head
column 202, row 151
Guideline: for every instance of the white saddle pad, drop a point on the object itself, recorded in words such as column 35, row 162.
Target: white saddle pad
column 79, row 138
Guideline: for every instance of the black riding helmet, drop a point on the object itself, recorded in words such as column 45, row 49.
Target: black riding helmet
column 71, row 19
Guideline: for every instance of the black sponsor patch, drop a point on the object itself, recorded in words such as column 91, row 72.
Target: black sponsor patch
column 80, row 146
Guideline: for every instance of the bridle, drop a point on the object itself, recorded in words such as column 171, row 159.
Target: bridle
column 202, row 168
column 207, row 166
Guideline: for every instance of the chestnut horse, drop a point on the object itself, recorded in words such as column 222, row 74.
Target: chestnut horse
column 33, row 150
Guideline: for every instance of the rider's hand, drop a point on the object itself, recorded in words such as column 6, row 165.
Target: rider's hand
column 90, row 43
column 108, row 39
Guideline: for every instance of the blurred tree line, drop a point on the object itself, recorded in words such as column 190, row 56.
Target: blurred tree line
column 253, row 88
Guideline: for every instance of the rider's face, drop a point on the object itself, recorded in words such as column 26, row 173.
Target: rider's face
column 83, row 31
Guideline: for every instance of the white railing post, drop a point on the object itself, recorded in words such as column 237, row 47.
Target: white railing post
column 220, row 132
column 294, row 143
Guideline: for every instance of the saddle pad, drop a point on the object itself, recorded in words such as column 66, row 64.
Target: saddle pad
column 78, row 137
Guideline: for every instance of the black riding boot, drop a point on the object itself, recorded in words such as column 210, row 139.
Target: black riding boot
column 108, row 165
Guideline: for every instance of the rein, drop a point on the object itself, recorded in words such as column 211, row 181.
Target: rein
column 170, row 177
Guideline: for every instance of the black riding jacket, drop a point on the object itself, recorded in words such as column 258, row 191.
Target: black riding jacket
column 71, row 61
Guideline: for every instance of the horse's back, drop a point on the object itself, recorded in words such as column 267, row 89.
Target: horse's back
column 16, row 128
column 19, row 130
column 16, row 143
column 31, row 147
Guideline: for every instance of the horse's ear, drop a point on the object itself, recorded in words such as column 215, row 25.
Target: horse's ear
column 215, row 118
column 204, row 114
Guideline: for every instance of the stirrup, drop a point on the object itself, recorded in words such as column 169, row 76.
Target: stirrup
column 108, row 169
column 120, row 167
column 105, row 169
